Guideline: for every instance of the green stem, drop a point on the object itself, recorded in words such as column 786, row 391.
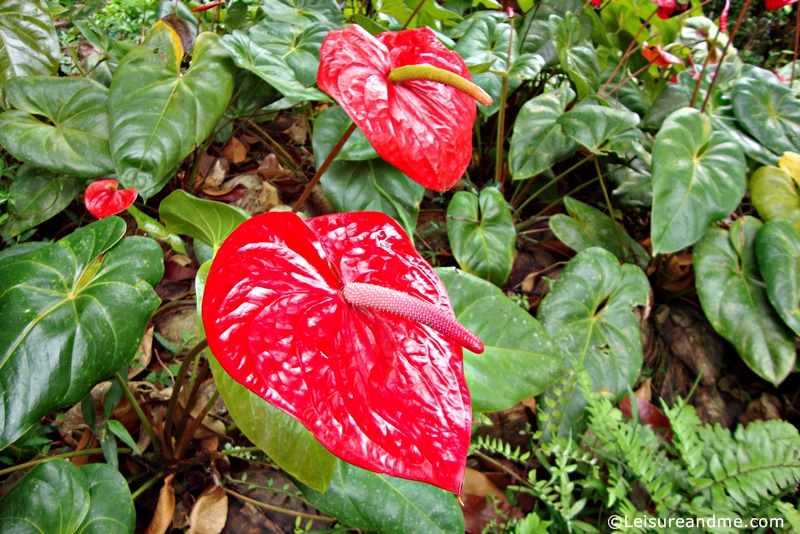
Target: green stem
column 240, row 450
column 551, row 182
column 796, row 46
column 611, row 211
column 324, row 167
column 72, row 454
column 277, row 508
column 198, row 376
column 138, row 409
column 410, row 73
column 523, row 225
column 499, row 176
column 147, row 485
column 188, row 434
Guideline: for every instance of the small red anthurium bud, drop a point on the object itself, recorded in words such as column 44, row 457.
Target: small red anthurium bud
column 103, row 198
column 339, row 322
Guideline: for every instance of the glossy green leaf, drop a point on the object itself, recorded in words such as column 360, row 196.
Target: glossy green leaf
column 382, row 504
column 486, row 40
column 158, row 115
column 516, row 344
column 28, row 42
column 303, row 12
column 587, row 227
column 156, row 230
column 770, row 112
column 430, row 14
column 735, row 302
column 34, row 196
column 633, row 179
column 700, row 34
column 589, row 313
column 698, row 178
column 774, row 195
column 482, row 234
column 535, row 34
column 538, row 141
column 329, row 127
column 58, row 498
column 576, row 54
column 207, row 220
column 268, row 66
column 77, row 140
column 74, row 312
column 778, row 254
column 282, row 437
column 593, row 126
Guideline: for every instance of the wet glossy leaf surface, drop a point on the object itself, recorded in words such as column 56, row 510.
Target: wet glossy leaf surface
column 28, row 42
column 384, row 504
column 778, row 253
column 594, row 126
column 71, row 317
column 57, row 497
column 276, row 321
column 157, row 114
column 576, row 54
column 482, row 234
column 36, row 195
column 423, row 128
column 698, row 178
column 587, row 227
column 735, row 301
column 770, row 112
column 516, row 344
column 206, row 220
column 538, row 140
column 77, row 140
column 589, row 313
column 774, row 195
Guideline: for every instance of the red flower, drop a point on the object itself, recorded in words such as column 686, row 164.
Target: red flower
column 772, row 5
column 597, row 2
column 103, row 199
column 657, row 55
column 423, row 128
column 314, row 317
column 671, row 8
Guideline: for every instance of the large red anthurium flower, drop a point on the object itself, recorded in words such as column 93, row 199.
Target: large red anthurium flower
column 422, row 127
column 772, row 5
column 339, row 322
column 103, row 198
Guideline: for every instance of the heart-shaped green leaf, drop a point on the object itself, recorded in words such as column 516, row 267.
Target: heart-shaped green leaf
column 28, row 42
column 158, row 114
column 775, row 196
column 304, row 12
column 74, row 312
column 516, row 344
column 35, row 195
column 285, row 440
column 778, row 253
column 482, row 234
column 593, row 126
column 329, row 127
column 156, row 230
column 770, row 112
column 735, row 302
column 77, row 140
column 486, row 40
column 576, row 54
column 430, row 14
column 587, row 227
column 698, row 178
column 382, row 504
column 58, row 498
column 538, row 141
column 589, row 313
column 207, row 220
column 268, row 66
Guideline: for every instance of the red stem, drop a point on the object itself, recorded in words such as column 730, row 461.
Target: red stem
column 324, row 167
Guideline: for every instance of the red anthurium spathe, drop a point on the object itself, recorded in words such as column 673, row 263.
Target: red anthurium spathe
column 772, row 5
column 657, row 55
column 339, row 322
column 103, row 198
column 422, row 127
column 671, row 8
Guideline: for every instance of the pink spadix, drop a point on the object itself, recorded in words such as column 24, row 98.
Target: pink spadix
column 398, row 303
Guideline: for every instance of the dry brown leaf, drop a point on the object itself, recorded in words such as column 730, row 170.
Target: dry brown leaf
column 144, row 354
column 82, row 444
column 235, row 150
column 210, row 512
column 530, row 403
column 477, row 483
column 162, row 518
column 645, row 391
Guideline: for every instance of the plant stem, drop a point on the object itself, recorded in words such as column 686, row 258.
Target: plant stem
column 276, row 147
column 611, row 211
column 626, row 80
column 199, row 375
column 628, row 51
column 551, row 182
column 72, row 454
column 796, row 46
column 147, row 485
column 739, row 20
column 499, row 175
column 324, row 167
column 176, row 390
column 413, row 13
column 138, row 409
column 240, row 450
column 277, row 508
column 521, row 226
column 186, row 436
